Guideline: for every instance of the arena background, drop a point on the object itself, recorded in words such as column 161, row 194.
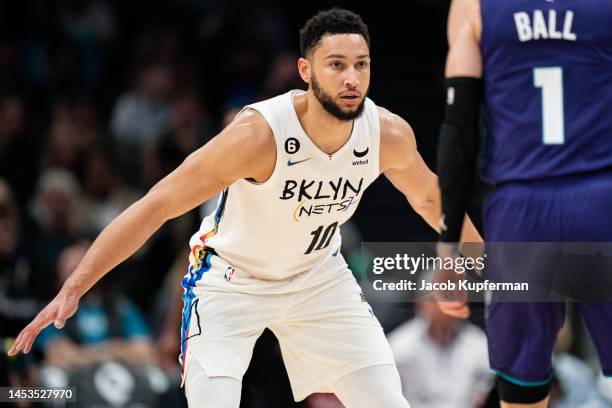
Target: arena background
column 100, row 99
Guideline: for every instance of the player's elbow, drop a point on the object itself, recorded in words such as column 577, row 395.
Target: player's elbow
column 155, row 204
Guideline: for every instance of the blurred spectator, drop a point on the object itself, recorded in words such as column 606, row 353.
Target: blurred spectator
column 105, row 196
column 191, row 124
column 142, row 114
column 56, row 203
column 18, row 301
column 72, row 134
column 574, row 385
column 106, row 342
column 9, row 62
column 17, row 305
column 92, row 18
column 282, row 76
column 18, row 155
column 604, row 386
column 190, row 129
column 54, row 222
column 106, row 326
column 574, row 382
column 442, row 361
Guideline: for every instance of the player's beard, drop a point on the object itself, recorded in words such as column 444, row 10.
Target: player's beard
column 332, row 107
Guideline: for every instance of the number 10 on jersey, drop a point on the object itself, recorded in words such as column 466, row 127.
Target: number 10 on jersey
column 321, row 239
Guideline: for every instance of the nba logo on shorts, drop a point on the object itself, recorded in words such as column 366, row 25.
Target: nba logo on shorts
column 229, row 272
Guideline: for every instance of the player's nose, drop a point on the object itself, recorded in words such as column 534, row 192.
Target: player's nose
column 351, row 80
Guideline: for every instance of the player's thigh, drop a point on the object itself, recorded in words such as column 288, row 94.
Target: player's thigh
column 521, row 337
column 327, row 333
column 220, row 329
column 203, row 391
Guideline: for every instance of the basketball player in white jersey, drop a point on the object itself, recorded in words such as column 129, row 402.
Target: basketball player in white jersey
column 291, row 170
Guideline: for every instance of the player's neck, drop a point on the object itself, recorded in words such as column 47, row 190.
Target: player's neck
column 328, row 133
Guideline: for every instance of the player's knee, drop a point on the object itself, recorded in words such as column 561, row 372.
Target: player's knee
column 519, row 394
column 376, row 386
column 394, row 399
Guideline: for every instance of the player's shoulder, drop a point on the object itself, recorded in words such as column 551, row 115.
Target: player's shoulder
column 393, row 128
column 397, row 141
column 251, row 126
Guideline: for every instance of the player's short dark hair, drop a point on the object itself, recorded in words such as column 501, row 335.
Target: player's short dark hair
column 333, row 21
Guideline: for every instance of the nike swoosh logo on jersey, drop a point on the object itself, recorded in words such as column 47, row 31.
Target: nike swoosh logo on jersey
column 361, row 154
column 293, row 163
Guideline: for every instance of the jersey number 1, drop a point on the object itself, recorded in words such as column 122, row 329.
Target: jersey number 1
column 551, row 81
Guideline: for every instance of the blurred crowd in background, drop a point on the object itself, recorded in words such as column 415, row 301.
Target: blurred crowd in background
column 101, row 99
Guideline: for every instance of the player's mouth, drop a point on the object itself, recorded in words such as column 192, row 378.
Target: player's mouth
column 350, row 98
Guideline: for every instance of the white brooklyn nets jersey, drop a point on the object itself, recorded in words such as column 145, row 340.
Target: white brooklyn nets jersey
column 290, row 223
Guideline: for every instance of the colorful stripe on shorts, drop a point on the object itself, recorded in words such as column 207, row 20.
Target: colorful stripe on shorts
column 190, row 302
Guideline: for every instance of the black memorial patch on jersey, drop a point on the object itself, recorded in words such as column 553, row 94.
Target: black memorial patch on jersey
column 292, row 145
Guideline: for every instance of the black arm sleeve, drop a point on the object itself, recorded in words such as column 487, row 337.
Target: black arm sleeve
column 458, row 152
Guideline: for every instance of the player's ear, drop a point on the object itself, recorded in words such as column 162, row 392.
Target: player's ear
column 304, row 69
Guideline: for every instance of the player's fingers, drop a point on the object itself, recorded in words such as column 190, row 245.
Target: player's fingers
column 15, row 347
column 30, row 332
column 26, row 338
column 463, row 312
column 29, row 342
column 18, row 344
column 455, row 309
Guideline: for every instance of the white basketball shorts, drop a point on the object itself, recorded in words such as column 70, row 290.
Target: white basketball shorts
column 325, row 327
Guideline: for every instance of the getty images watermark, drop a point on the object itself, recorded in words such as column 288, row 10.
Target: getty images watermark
column 535, row 272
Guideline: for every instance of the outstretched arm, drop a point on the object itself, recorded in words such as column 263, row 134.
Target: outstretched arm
column 245, row 149
column 404, row 167
column 458, row 142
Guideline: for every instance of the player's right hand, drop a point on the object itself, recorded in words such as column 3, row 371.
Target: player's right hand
column 456, row 309
column 451, row 302
column 61, row 308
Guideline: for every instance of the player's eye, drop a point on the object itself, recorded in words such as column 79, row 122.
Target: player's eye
column 362, row 64
column 337, row 65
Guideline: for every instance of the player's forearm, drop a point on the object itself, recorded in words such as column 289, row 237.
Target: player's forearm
column 429, row 207
column 469, row 233
column 120, row 239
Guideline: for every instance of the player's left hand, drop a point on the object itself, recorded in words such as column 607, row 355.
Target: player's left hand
column 450, row 302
